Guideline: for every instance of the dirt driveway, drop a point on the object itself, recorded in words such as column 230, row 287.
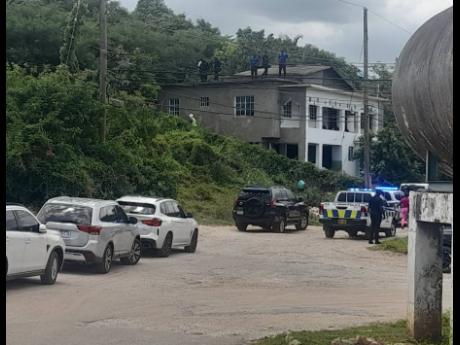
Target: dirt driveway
column 237, row 287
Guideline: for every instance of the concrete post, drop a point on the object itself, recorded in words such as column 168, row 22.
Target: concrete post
column 319, row 161
column 425, row 275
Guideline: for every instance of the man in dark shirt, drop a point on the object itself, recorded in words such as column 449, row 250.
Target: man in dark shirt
column 254, row 62
column 265, row 64
column 376, row 205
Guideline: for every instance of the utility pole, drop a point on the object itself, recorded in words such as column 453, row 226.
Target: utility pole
column 103, row 63
column 367, row 177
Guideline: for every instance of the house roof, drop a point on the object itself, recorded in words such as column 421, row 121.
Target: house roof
column 292, row 70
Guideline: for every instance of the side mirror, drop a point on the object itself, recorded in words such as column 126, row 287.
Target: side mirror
column 188, row 215
column 42, row 229
column 132, row 220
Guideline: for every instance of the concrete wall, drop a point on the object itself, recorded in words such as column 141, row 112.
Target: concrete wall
column 220, row 116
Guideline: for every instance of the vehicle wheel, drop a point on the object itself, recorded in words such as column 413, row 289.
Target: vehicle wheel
column 193, row 244
column 329, row 232
column 281, row 226
column 352, row 233
column 106, row 264
column 302, row 224
column 242, row 227
column 165, row 250
column 135, row 254
column 392, row 231
column 52, row 269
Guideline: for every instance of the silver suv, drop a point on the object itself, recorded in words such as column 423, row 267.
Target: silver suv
column 94, row 231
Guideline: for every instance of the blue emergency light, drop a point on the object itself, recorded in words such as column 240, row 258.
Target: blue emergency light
column 387, row 189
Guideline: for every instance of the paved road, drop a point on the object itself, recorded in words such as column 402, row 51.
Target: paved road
column 237, row 287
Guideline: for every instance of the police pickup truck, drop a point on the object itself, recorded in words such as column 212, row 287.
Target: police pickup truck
column 349, row 212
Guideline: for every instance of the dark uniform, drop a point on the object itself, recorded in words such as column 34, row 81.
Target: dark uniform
column 203, row 69
column 216, row 68
column 376, row 205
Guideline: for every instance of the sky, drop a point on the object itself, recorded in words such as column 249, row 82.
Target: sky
column 332, row 25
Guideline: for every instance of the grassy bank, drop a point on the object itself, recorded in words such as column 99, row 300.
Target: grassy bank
column 395, row 245
column 385, row 333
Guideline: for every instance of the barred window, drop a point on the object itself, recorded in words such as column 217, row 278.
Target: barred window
column 287, row 109
column 244, row 105
column 204, row 102
column 173, row 106
column 313, row 111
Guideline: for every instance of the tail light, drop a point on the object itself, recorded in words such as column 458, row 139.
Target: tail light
column 321, row 208
column 364, row 209
column 272, row 203
column 236, row 202
column 89, row 229
column 152, row 222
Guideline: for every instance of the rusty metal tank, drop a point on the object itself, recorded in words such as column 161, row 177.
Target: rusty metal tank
column 422, row 90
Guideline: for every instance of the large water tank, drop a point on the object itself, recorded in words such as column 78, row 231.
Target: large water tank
column 423, row 90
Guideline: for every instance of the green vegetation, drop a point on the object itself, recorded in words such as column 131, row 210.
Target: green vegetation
column 54, row 148
column 387, row 333
column 396, row 245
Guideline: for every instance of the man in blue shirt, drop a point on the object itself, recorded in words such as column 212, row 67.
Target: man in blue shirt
column 254, row 61
column 282, row 61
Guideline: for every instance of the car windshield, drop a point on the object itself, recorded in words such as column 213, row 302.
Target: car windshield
column 137, row 207
column 62, row 213
column 255, row 193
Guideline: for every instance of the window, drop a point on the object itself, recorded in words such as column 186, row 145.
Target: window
column 108, row 214
column 350, row 197
column 173, row 106
column 122, row 217
column 11, row 223
column 65, row 214
column 349, row 121
column 351, row 153
column 183, row 214
column 244, row 105
column 137, row 207
column 342, row 197
column 359, row 197
column 331, row 119
column 287, row 109
column 366, row 197
column 204, row 102
column 313, row 112
column 26, row 221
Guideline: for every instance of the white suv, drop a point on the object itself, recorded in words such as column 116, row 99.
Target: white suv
column 31, row 249
column 163, row 223
column 94, row 231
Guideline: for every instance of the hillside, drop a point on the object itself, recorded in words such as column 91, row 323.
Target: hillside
column 54, row 148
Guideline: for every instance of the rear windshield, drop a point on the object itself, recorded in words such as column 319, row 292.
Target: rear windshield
column 65, row 214
column 353, row 197
column 246, row 194
column 137, row 207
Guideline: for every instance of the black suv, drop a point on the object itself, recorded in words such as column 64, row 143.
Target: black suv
column 271, row 208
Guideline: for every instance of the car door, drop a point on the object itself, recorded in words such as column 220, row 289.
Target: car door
column 111, row 228
column 35, row 251
column 168, row 221
column 15, row 244
column 189, row 224
column 180, row 223
column 288, row 206
column 294, row 209
column 128, row 232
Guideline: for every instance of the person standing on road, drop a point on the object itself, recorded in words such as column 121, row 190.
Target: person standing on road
column 404, row 209
column 376, row 205
column 282, row 62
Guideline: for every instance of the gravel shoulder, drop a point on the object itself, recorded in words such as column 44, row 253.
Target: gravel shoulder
column 237, row 287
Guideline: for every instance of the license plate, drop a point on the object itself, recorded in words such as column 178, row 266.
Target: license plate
column 342, row 221
column 240, row 212
column 65, row 234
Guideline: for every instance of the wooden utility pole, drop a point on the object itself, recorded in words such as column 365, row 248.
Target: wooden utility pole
column 367, row 176
column 103, row 63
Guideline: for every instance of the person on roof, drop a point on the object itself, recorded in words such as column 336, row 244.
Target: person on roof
column 217, row 67
column 265, row 64
column 282, row 62
column 203, row 67
column 254, row 62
